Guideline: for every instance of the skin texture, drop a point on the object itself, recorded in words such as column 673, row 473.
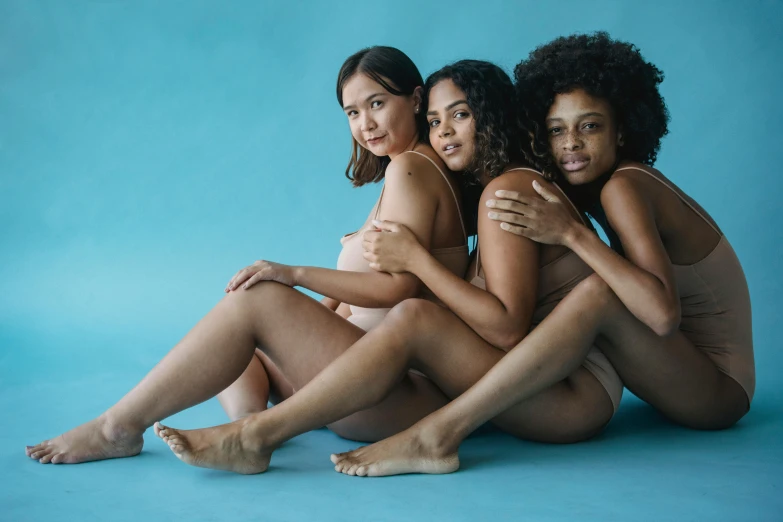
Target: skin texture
column 566, row 404
column 258, row 340
column 656, row 231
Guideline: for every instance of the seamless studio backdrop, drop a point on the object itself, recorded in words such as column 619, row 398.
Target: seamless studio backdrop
column 149, row 150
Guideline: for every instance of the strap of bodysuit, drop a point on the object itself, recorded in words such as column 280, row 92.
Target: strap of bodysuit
column 679, row 195
column 456, row 201
column 564, row 197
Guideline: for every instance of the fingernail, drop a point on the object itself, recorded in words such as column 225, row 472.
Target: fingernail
column 493, row 215
column 376, row 222
column 499, row 193
column 535, row 184
column 490, row 202
column 504, row 226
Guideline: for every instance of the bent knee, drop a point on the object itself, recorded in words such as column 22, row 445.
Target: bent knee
column 413, row 311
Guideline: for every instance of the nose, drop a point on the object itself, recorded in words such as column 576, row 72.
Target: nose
column 572, row 141
column 367, row 122
column 445, row 130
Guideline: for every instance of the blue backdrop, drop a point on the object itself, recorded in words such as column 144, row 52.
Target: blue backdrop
column 148, row 150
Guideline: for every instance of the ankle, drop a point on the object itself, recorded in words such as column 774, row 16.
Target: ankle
column 439, row 439
column 114, row 428
column 258, row 433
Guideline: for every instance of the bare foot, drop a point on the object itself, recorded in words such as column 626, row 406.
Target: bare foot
column 229, row 447
column 94, row 440
column 411, row 451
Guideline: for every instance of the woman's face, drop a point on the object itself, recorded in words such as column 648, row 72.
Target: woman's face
column 583, row 136
column 380, row 122
column 452, row 127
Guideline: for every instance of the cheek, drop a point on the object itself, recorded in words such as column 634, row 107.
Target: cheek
column 357, row 133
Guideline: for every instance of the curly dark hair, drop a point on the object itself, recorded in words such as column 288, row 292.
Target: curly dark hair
column 605, row 68
column 490, row 95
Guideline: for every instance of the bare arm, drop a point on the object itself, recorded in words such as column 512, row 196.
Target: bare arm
column 408, row 199
column 502, row 313
column 644, row 279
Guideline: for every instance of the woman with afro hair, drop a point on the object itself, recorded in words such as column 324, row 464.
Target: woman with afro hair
column 668, row 304
column 513, row 283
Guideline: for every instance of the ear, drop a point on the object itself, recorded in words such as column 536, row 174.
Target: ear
column 418, row 96
column 620, row 140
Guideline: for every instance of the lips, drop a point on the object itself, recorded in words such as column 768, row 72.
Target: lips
column 375, row 140
column 450, row 148
column 574, row 162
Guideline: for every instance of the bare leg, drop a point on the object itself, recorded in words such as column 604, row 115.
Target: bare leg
column 261, row 383
column 206, row 361
column 415, row 334
column 669, row 373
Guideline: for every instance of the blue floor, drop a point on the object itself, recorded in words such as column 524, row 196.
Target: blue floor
column 641, row 468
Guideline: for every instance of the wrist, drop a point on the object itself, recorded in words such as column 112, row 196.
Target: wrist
column 574, row 236
column 416, row 258
column 298, row 274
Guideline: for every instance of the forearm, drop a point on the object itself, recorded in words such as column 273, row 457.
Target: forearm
column 479, row 309
column 640, row 291
column 364, row 289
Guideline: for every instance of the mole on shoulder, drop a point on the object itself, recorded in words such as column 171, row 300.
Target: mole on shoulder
column 410, row 174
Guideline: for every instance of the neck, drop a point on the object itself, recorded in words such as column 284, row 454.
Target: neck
column 410, row 146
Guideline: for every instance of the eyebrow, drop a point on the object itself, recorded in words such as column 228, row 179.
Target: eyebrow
column 448, row 107
column 370, row 97
column 585, row 115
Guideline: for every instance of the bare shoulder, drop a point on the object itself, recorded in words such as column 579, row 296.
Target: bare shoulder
column 520, row 181
column 416, row 166
column 626, row 182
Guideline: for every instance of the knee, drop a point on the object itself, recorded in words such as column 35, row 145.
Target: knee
column 412, row 312
column 265, row 290
column 596, row 290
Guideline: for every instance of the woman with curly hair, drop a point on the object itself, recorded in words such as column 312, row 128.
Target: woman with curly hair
column 512, row 284
column 259, row 340
column 669, row 304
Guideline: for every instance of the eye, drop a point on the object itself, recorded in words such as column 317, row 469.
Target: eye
column 554, row 130
column 461, row 115
column 434, row 123
column 351, row 113
column 590, row 126
column 376, row 103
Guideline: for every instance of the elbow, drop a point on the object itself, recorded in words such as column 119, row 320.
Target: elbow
column 667, row 322
column 507, row 338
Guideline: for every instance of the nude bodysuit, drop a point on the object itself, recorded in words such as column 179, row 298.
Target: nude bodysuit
column 555, row 280
column 351, row 259
column 715, row 302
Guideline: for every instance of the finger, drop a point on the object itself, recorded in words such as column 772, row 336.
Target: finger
column 240, row 278
column 257, row 277
column 512, row 196
column 388, row 226
column 369, row 256
column 545, row 192
column 371, row 235
column 514, row 219
column 507, row 204
column 515, row 229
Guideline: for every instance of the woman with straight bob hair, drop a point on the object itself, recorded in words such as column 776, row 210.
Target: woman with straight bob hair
column 259, row 340
column 668, row 304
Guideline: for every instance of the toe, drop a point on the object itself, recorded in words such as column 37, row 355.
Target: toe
column 45, row 459
column 361, row 471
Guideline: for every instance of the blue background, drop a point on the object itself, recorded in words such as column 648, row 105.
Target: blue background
column 148, row 150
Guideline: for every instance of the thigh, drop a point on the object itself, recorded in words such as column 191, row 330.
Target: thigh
column 296, row 333
column 454, row 357
column 670, row 372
